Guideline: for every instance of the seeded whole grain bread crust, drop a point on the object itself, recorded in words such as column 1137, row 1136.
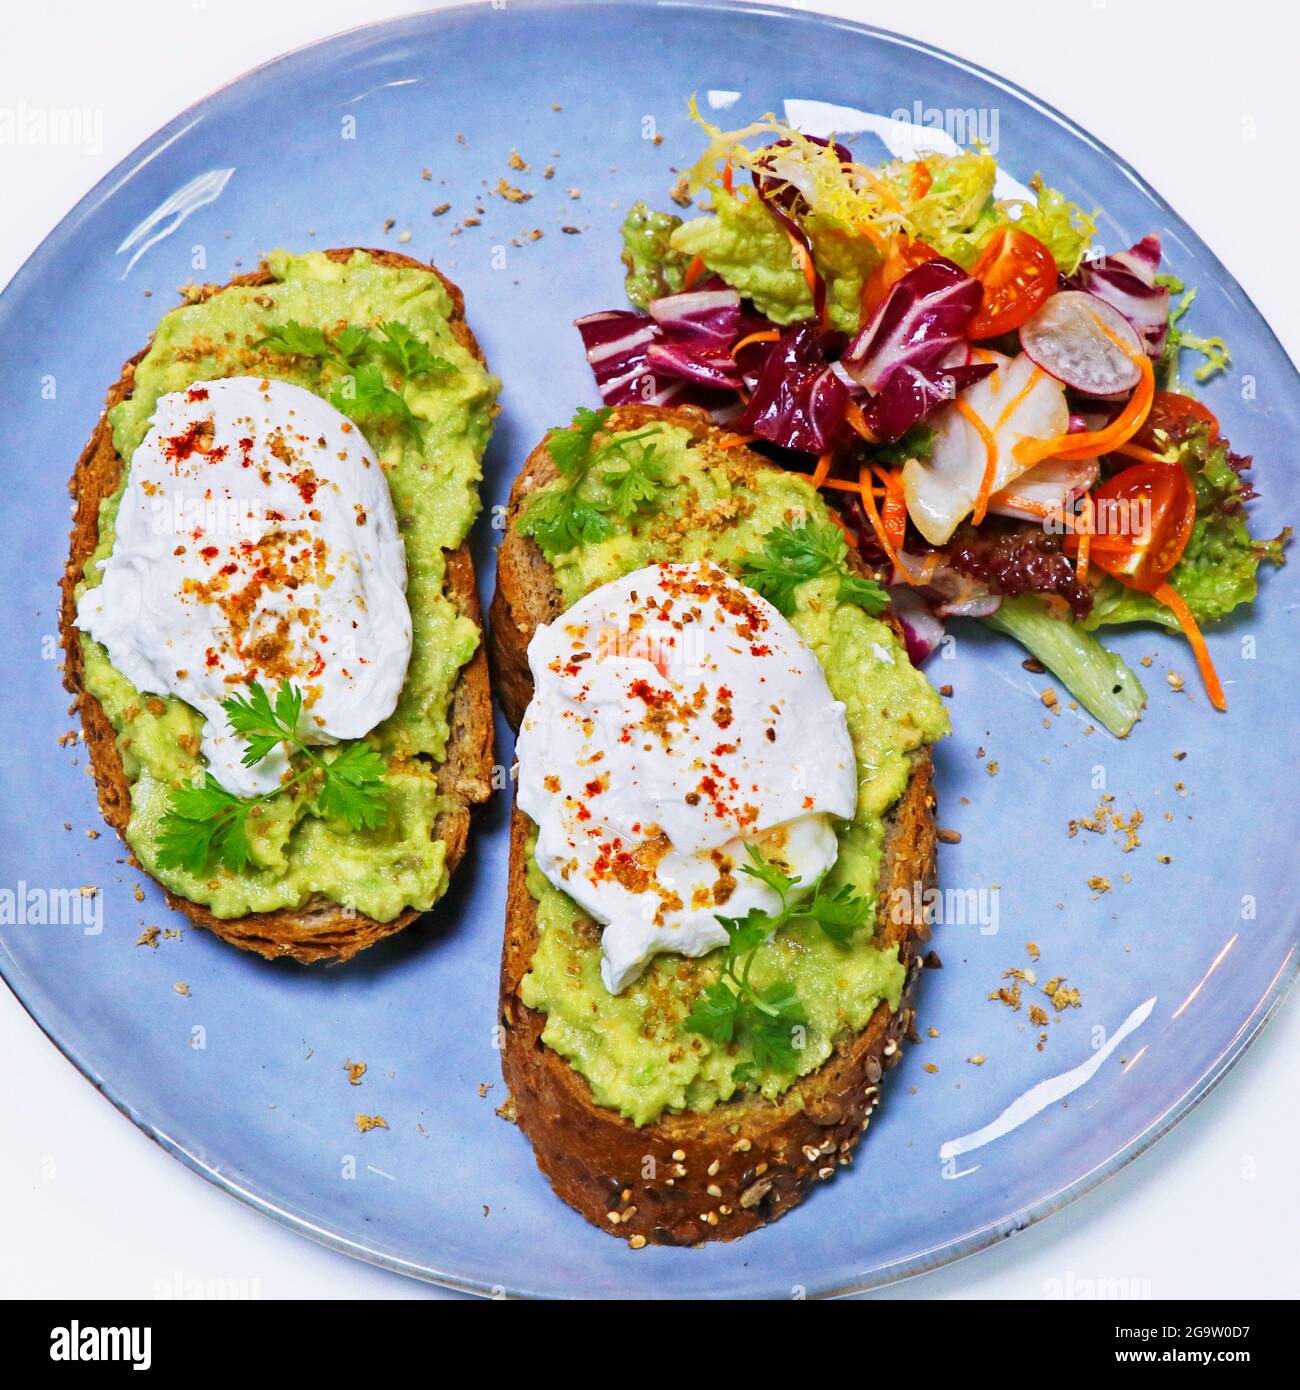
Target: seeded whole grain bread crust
column 319, row 930
column 721, row 1174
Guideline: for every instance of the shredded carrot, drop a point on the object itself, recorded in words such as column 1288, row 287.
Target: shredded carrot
column 1084, row 533
column 1017, row 400
column 1173, row 600
column 734, row 441
column 726, row 177
column 868, row 495
column 1010, row 499
column 990, row 459
column 921, row 181
column 1102, row 544
column 1136, row 451
column 848, row 535
column 823, row 469
column 806, row 266
column 983, row 498
column 894, row 512
column 1104, row 441
column 769, row 335
column 693, row 273
column 853, row 414
column 805, row 262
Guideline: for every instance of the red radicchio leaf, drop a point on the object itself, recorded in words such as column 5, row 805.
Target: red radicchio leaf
column 910, row 395
column 707, row 315
column 900, row 355
column 922, row 627
column 677, row 354
column 1127, row 282
column 798, row 399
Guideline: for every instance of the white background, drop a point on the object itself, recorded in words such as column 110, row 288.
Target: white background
column 1198, row 95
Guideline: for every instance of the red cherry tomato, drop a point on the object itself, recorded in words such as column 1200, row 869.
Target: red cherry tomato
column 1018, row 274
column 1173, row 413
column 1141, row 521
column 903, row 256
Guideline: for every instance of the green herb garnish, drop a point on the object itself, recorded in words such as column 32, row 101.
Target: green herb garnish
column 403, row 350
column 363, row 393
column 615, row 478
column 915, row 443
column 207, row 822
column 297, row 340
column 793, row 554
column 766, row 1019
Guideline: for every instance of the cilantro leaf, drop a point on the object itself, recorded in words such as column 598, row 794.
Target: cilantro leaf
column 349, row 342
column 715, row 1013
column 868, row 594
column 403, row 350
column 559, row 520
column 770, row 1024
column 767, row 872
column 791, row 555
column 208, row 822
column 747, row 932
column 296, row 340
column 365, row 396
column 263, row 725
column 299, row 340
column 570, row 449
column 202, row 823
column 632, row 481
column 353, row 787
column 596, row 483
column 838, row 914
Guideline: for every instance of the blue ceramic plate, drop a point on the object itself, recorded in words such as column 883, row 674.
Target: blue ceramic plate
column 243, row 1078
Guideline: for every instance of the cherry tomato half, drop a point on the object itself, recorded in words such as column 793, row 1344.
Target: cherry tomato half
column 1173, row 413
column 1142, row 518
column 1018, row 274
column 903, row 256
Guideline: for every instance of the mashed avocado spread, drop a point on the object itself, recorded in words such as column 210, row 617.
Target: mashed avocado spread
column 432, row 471
column 632, row 1048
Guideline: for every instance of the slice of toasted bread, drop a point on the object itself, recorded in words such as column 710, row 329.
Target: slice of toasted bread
column 719, row 1174
column 319, row 929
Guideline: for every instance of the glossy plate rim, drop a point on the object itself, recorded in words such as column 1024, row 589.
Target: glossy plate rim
column 926, row 1261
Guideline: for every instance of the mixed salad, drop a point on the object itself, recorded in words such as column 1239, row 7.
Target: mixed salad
column 998, row 414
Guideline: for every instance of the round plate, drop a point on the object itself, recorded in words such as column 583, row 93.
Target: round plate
column 242, row 1077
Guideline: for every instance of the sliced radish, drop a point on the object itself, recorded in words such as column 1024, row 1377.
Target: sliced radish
column 1066, row 338
column 1046, row 489
column 1019, row 401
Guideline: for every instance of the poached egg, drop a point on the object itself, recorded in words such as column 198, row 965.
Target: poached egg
column 676, row 718
column 256, row 540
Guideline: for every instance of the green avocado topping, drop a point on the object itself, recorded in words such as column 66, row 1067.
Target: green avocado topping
column 636, row 1049
column 377, row 341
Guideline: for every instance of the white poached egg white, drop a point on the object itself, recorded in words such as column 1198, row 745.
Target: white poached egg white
column 256, row 540
column 677, row 716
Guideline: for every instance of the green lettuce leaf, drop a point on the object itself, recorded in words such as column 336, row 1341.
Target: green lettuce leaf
column 1217, row 355
column 654, row 269
column 740, row 240
column 956, row 212
column 1096, row 676
column 1062, row 226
